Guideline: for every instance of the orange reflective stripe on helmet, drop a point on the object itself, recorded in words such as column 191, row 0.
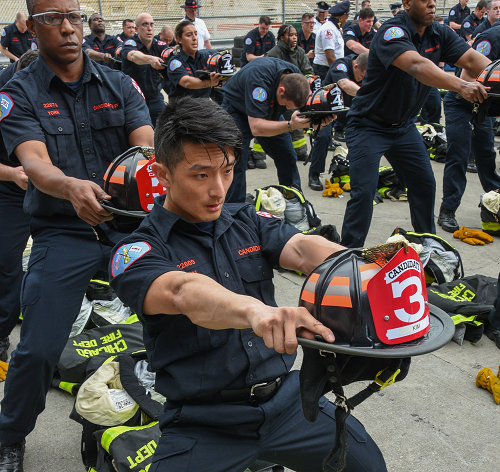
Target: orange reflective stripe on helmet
column 338, row 293
column 310, row 287
column 367, row 271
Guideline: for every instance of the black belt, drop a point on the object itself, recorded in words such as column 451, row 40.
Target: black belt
column 258, row 393
column 381, row 122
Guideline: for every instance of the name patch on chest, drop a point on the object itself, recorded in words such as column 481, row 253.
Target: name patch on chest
column 393, row 33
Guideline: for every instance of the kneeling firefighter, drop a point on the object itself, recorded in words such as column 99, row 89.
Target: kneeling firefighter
column 375, row 301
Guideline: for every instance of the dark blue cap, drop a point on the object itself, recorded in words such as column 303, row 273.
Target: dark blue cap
column 322, row 6
column 395, row 6
column 340, row 9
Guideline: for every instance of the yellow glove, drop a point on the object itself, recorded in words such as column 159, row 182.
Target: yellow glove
column 332, row 190
column 490, row 382
column 4, row 367
column 473, row 236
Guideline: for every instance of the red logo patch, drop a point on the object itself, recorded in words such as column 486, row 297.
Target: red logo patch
column 136, row 86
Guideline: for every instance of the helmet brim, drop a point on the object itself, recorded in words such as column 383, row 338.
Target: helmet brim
column 309, row 114
column 440, row 333
column 117, row 211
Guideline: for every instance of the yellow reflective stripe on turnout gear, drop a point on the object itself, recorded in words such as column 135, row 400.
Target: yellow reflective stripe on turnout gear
column 112, row 433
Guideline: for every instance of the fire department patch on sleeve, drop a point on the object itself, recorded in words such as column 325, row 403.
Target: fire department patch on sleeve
column 265, row 214
column 3, row 32
column 130, row 42
column 341, row 67
column 452, row 12
column 175, row 64
column 136, row 86
column 393, row 33
column 328, row 34
column 466, row 25
column 484, row 47
column 351, row 33
column 248, row 41
column 126, row 255
column 6, row 104
column 259, row 94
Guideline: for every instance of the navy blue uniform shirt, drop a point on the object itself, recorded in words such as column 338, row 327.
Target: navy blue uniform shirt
column 149, row 79
column 108, row 46
column 256, row 45
column 182, row 64
column 342, row 69
column 5, row 76
column 485, row 25
column 458, row 14
column 16, row 42
column 392, row 94
column 353, row 33
column 252, row 91
column 470, row 23
column 83, row 131
column 191, row 362
column 306, row 44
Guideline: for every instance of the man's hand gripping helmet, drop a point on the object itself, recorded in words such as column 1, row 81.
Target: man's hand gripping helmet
column 489, row 77
column 323, row 101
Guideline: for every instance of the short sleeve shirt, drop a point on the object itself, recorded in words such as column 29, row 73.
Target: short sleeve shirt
column 16, row 42
column 83, row 131
column 256, row 45
column 317, row 25
column 392, row 94
column 240, row 256
column 306, row 44
column 342, row 69
column 182, row 64
column 147, row 77
column 5, row 75
column 469, row 24
column 328, row 37
column 457, row 14
column 354, row 33
column 107, row 46
column 252, row 91
column 203, row 34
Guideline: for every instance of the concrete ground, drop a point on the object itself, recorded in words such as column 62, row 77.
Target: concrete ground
column 436, row 420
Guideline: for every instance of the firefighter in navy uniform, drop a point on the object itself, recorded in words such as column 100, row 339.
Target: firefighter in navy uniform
column 183, row 65
column 80, row 115
column 347, row 73
column 462, row 141
column 256, row 98
column 358, row 36
column 14, row 224
column 98, row 45
column 128, row 30
column 321, row 14
column 472, row 21
column 141, row 59
column 457, row 15
column 491, row 18
column 240, row 402
column 306, row 36
column 16, row 39
column 382, row 116
column 329, row 43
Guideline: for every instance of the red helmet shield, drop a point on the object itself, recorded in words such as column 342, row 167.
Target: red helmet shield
column 398, row 299
column 148, row 185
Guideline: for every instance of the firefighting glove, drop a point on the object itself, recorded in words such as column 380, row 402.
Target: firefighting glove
column 332, row 190
column 490, row 382
column 472, row 236
column 4, row 367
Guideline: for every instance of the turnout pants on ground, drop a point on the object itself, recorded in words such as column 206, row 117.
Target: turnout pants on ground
column 14, row 234
column 230, row 437
column 461, row 140
column 279, row 148
column 64, row 257
column 404, row 148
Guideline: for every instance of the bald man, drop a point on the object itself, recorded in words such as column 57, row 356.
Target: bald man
column 141, row 60
column 16, row 39
column 167, row 35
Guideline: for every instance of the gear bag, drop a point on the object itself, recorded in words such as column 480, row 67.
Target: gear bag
column 490, row 212
column 298, row 212
column 442, row 262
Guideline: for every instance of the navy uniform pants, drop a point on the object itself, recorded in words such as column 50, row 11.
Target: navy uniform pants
column 461, row 140
column 230, row 437
column 404, row 148
column 65, row 255
column 14, row 234
column 155, row 106
column 279, row 147
column 320, row 149
column 431, row 112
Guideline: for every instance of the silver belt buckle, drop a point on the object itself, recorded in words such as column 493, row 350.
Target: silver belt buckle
column 253, row 387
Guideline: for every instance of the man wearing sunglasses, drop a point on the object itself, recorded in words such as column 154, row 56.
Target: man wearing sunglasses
column 80, row 115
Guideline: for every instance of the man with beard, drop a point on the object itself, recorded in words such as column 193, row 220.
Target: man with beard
column 99, row 45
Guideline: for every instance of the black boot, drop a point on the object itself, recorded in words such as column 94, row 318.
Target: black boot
column 471, row 165
column 11, row 457
column 4, row 345
column 447, row 220
column 314, row 182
